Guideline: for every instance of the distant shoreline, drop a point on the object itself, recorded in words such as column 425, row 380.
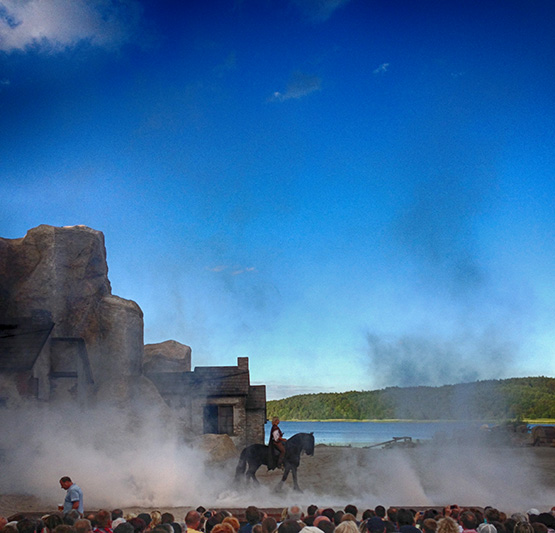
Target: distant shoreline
column 401, row 420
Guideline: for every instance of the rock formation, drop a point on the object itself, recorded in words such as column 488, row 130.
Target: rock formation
column 61, row 273
column 65, row 337
column 168, row 356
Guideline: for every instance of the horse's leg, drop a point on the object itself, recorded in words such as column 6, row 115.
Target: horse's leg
column 251, row 472
column 284, row 477
column 295, row 484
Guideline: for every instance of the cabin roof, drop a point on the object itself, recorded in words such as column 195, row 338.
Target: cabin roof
column 21, row 341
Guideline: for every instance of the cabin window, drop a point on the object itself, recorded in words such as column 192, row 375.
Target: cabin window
column 225, row 419
column 218, row 419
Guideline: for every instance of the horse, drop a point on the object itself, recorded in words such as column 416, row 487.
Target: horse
column 256, row 455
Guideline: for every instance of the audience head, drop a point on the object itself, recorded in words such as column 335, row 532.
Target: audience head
column 289, row 526
column 156, row 518
column 509, row 524
column 447, row 525
column 429, row 525
column 320, row 519
column 26, row 525
column 375, row 525
column 138, row 524
column 311, row 510
column 124, row 527
column 405, row 518
column 269, row 525
column 390, row 527
column 337, row 516
column 349, row 526
column 294, row 512
column 167, row 518
column 146, row 518
column 539, row 527
column 523, row 527
column 192, row 519
column 223, row 528
column 252, row 514
column 491, row 514
column 233, row 522
column 82, row 525
column 103, row 518
column 547, row 519
column 468, row 520
column 326, row 526
column 486, row 528
column 52, row 521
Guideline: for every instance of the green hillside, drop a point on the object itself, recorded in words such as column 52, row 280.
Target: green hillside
column 515, row 398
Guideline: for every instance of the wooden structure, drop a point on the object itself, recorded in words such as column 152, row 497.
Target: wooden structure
column 217, row 399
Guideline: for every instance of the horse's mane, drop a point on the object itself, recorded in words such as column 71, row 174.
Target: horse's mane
column 302, row 441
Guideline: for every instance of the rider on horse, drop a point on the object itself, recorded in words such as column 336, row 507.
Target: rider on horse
column 277, row 440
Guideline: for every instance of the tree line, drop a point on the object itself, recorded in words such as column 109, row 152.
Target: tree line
column 514, row 398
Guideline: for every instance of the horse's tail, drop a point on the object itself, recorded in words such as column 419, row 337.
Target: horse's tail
column 242, row 465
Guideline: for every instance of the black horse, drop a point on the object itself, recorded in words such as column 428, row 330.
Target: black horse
column 256, row 455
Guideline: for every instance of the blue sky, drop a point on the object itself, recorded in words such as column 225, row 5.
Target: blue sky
column 353, row 194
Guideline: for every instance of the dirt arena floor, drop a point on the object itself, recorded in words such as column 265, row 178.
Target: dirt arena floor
column 512, row 479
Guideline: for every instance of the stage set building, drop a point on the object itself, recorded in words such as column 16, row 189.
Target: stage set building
column 64, row 335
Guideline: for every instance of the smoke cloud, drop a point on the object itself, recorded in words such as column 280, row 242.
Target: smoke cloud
column 411, row 360
column 140, row 458
column 437, row 475
column 460, row 319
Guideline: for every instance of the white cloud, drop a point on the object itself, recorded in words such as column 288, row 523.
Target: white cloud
column 218, row 268
column 300, row 85
column 55, row 25
column 235, row 272
column 382, row 68
column 319, row 10
column 243, row 270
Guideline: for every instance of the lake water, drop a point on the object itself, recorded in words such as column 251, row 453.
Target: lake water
column 367, row 433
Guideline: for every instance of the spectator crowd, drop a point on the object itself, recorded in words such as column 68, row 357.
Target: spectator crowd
column 293, row 519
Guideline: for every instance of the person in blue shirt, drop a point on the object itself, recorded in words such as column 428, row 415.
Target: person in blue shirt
column 74, row 496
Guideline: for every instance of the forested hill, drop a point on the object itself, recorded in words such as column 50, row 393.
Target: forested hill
column 522, row 398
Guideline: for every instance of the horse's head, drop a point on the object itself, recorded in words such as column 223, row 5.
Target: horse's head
column 308, row 443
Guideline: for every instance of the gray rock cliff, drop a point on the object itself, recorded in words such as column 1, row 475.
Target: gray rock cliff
column 62, row 273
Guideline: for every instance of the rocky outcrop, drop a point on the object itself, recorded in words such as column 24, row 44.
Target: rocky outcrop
column 62, row 272
column 168, row 356
column 217, row 448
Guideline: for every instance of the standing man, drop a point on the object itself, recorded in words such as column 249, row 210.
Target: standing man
column 74, row 496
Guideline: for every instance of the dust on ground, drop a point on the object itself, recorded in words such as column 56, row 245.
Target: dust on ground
column 513, row 479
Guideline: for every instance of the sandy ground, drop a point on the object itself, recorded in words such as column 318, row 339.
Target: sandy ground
column 513, row 479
